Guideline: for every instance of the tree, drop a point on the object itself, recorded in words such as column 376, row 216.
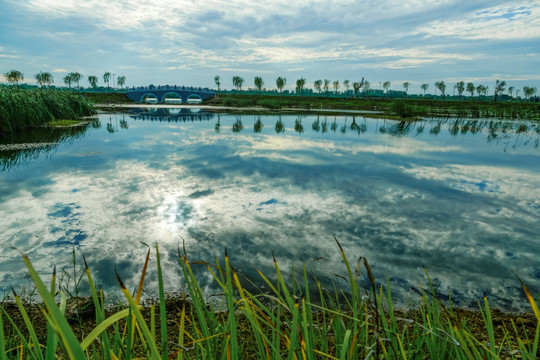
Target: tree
column 67, row 80
column 367, row 86
column 499, row 88
column 479, row 90
column 406, row 87
column 75, row 77
column 424, row 87
column 511, row 90
column 237, row 82
column 442, row 88
column 386, row 86
column 336, row 86
column 106, row 79
column 346, row 84
column 258, row 83
column 357, row 86
column 470, row 88
column 437, row 83
column 528, row 91
column 218, row 81
column 326, row 85
column 460, row 87
column 93, row 80
column 300, row 83
column 280, row 83
column 44, row 78
column 14, row 76
column 121, row 81
column 317, row 84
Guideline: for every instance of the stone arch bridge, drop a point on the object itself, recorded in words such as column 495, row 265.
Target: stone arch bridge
column 180, row 94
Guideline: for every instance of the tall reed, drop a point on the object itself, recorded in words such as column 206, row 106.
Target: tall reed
column 21, row 109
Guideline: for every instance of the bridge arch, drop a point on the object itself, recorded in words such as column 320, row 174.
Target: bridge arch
column 145, row 97
column 194, row 98
column 176, row 96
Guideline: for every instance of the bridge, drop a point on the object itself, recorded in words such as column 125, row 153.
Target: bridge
column 169, row 94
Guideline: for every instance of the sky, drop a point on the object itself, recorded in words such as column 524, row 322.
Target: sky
column 189, row 42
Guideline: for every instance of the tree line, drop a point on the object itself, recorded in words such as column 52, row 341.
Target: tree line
column 354, row 88
column 44, row 78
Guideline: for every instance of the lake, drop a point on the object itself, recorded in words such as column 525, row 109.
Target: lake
column 460, row 197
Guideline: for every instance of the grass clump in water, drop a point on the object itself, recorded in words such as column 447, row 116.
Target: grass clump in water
column 22, row 109
column 288, row 322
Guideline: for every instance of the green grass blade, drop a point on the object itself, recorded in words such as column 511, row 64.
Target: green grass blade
column 29, row 326
column 113, row 319
column 2, row 339
column 154, row 353
column 162, row 310
column 71, row 344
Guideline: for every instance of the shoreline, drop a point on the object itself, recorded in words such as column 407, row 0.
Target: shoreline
column 213, row 107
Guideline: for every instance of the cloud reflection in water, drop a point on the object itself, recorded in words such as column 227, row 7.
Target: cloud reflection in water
column 402, row 202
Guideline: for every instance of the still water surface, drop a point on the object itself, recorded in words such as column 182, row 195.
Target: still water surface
column 461, row 198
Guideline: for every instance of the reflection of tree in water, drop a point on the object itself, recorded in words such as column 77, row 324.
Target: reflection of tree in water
column 333, row 127
column 170, row 115
column 359, row 128
column 280, row 127
column 237, row 125
column 316, row 126
column 217, row 127
column 257, row 127
column 20, row 149
column 298, row 127
column 324, row 125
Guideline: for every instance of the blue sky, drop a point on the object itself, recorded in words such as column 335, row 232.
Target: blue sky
column 188, row 42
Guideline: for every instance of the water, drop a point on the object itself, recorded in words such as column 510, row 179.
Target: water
column 461, row 198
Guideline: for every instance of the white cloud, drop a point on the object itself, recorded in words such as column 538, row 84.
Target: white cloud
column 520, row 20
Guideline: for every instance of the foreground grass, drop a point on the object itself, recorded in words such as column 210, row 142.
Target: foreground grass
column 23, row 109
column 285, row 323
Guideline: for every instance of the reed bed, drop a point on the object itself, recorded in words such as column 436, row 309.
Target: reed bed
column 285, row 323
column 21, row 109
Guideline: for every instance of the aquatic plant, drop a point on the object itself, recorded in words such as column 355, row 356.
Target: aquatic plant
column 23, row 109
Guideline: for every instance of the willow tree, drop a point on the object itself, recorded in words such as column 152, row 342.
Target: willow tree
column 367, row 86
column 442, row 87
column 499, row 88
column 460, row 87
column 258, row 81
column 107, row 79
column 326, row 85
column 346, row 84
column 67, row 80
column 470, row 88
column 121, row 81
column 424, row 87
column 406, row 87
column 93, row 80
column 217, row 80
column 386, row 86
column 317, row 84
column 336, row 86
column 14, row 76
column 237, row 82
column 75, row 78
column 511, row 90
column 280, row 83
column 44, row 78
column 300, row 83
